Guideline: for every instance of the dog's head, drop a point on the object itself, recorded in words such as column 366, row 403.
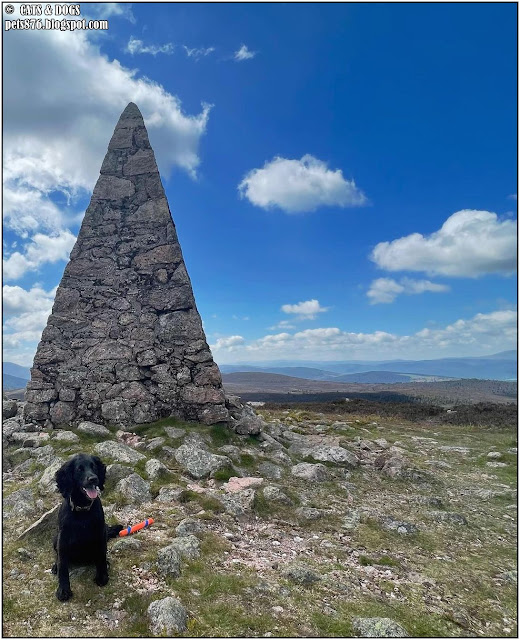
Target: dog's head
column 83, row 475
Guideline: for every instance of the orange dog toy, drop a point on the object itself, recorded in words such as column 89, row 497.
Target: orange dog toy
column 136, row 527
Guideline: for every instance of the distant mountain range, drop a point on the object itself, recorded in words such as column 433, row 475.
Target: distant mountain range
column 498, row 366
column 14, row 376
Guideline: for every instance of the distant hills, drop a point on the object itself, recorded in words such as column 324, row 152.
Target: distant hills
column 498, row 366
column 14, row 376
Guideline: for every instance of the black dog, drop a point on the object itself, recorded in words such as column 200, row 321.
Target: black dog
column 82, row 532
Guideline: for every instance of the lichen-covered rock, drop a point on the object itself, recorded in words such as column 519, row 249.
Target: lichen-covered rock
column 404, row 528
column 93, row 429
column 312, row 472
column 238, row 504
column 309, row 513
column 448, row 517
column 9, row 409
column 169, row 561
column 188, row 546
column 155, row 469
column 301, row 574
column 247, row 422
column 134, row 489
column 126, row 545
column 116, row 472
column 167, row 617
column 273, row 493
column 339, row 455
column 66, row 436
column 47, row 483
column 118, row 452
column 189, row 526
column 270, row 470
column 351, row 520
column 169, row 494
column 378, row 628
column 198, row 462
column 19, row 503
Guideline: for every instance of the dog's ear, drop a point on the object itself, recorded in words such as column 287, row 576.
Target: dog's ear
column 64, row 478
column 101, row 472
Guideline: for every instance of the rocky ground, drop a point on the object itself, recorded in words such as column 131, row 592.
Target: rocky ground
column 318, row 527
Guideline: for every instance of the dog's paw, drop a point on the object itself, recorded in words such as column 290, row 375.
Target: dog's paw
column 54, row 569
column 63, row 594
column 113, row 530
column 101, row 579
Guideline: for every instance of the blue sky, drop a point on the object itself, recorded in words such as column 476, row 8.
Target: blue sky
column 342, row 176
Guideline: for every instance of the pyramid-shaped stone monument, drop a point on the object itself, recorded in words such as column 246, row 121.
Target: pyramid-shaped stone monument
column 124, row 344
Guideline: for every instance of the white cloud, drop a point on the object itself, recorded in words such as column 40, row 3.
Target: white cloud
column 26, row 313
column 197, row 53
column 137, row 46
column 17, row 300
column 62, row 100
column 283, row 324
column 110, row 9
column 469, row 244
column 304, row 310
column 228, row 343
column 243, row 54
column 40, row 250
column 482, row 334
column 385, row 290
column 301, row 185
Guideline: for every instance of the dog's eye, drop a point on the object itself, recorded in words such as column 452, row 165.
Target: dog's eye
column 80, row 468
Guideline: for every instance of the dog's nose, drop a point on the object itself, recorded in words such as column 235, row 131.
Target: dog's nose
column 92, row 479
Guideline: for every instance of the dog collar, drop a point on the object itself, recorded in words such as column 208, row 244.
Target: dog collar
column 75, row 507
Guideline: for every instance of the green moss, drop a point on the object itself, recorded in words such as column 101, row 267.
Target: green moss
column 208, row 503
column 223, row 475
column 220, row 435
column 387, row 561
column 247, row 460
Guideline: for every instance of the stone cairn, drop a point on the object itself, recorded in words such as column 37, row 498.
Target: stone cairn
column 124, row 344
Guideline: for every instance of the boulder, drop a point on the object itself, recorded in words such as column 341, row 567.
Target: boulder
column 9, row 409
column 239, row 484
column 66, row 436
column 47, row 483
column 301, row 574
column 312, row 472
column 134, row 489
column 118, row 452
column 93, row 429
column 198, row 462
column 155, row 469
column 169, row 561
column 378, row 628
column 189, row 526
column 238, row 504
column 270, row 470
column 169, row 494
column 167, row 617
column 274, row 494
column 19, row 503
column 116, row 472
column 188, row 546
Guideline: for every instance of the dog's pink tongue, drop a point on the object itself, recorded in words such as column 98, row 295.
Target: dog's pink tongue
column 91, row 493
